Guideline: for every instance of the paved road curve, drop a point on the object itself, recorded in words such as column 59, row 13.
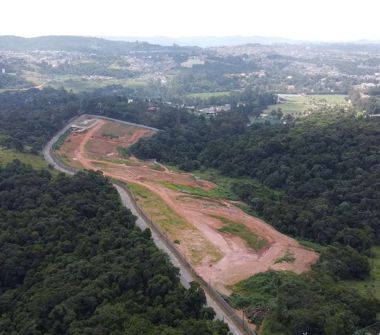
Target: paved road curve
column 185, row 276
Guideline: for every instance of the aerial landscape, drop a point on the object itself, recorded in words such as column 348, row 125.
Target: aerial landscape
column 217, row 180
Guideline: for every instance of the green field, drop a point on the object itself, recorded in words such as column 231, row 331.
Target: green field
column 226, row 184
column 217, row 192
column 79, row 84
column 372, row 284
column 207, row 95
column 300, row 105
column 156, row 209
column 36, row 161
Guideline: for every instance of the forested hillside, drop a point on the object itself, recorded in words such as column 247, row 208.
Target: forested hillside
column 290, row 304
column 72, row 262
column 323, row 171
column 29, row 119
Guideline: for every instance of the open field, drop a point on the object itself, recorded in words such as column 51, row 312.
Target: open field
column 223, row 243
column 78, row 83
column 301, row 105
column 207, row 95
column 7, row 156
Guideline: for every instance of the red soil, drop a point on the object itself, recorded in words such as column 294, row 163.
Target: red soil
column 238, row 261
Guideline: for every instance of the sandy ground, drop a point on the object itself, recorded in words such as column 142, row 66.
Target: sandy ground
column 92, row 150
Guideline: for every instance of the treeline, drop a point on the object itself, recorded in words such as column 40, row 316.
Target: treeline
column 72, row 262
column 368, row 105
column 94, row 68
column 12, row 81
column 28, row 119
column 284, row 303
column 324, row 171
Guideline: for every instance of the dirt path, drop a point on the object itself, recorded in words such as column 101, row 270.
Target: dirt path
column 238, row 260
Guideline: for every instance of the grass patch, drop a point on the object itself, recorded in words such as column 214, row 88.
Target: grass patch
column 110, row 135
column 156, row 209
column 36, row 161
column 124, row 152
column 117, row 130
column 208, row 95
column 79, row 84
column 57, row 145
column 177, row 228
column 228, row 184
column 246, row 209
column 311, row 245
column 217, row 192
column 287, row 258
column 299, row 105
column 238, row 229
column 157, row 167
column 65, row 160
column 371, row 285
column 256, row 292
column 332, row 99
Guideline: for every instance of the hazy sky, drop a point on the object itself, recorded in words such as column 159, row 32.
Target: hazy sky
column 300, row 19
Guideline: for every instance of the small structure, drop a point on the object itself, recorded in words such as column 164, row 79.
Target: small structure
column 78, row 129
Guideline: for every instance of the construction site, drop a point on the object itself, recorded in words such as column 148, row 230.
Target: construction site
column 223, row 244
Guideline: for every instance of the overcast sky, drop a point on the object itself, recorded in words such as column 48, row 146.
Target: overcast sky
column 298, row 19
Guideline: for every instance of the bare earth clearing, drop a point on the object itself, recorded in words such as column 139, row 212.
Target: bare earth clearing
column 221, row 256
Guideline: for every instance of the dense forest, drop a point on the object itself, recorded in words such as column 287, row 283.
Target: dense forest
column 29, row 119
column 72, row 262
column 324, row 171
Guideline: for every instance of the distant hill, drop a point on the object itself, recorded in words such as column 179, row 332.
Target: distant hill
column 78, row 43
column 208, row 41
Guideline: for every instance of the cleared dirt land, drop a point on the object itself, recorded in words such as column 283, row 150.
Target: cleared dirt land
column 224, row 244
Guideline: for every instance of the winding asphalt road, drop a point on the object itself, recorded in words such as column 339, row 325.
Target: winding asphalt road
column 185, row 276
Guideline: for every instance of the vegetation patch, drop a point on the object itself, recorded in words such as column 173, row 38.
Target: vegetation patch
column 157, row 167
column 57, row 145
column 124, row 152
column 35, row 161
column 235, row 187
column 301, row 105
column 371, row 284
column 238, row 229
column 208, row 95
column 174, row 225
column 287, row 258
column 110, row 135
column 66, row 160
column 282, row 302
column 217, row 192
